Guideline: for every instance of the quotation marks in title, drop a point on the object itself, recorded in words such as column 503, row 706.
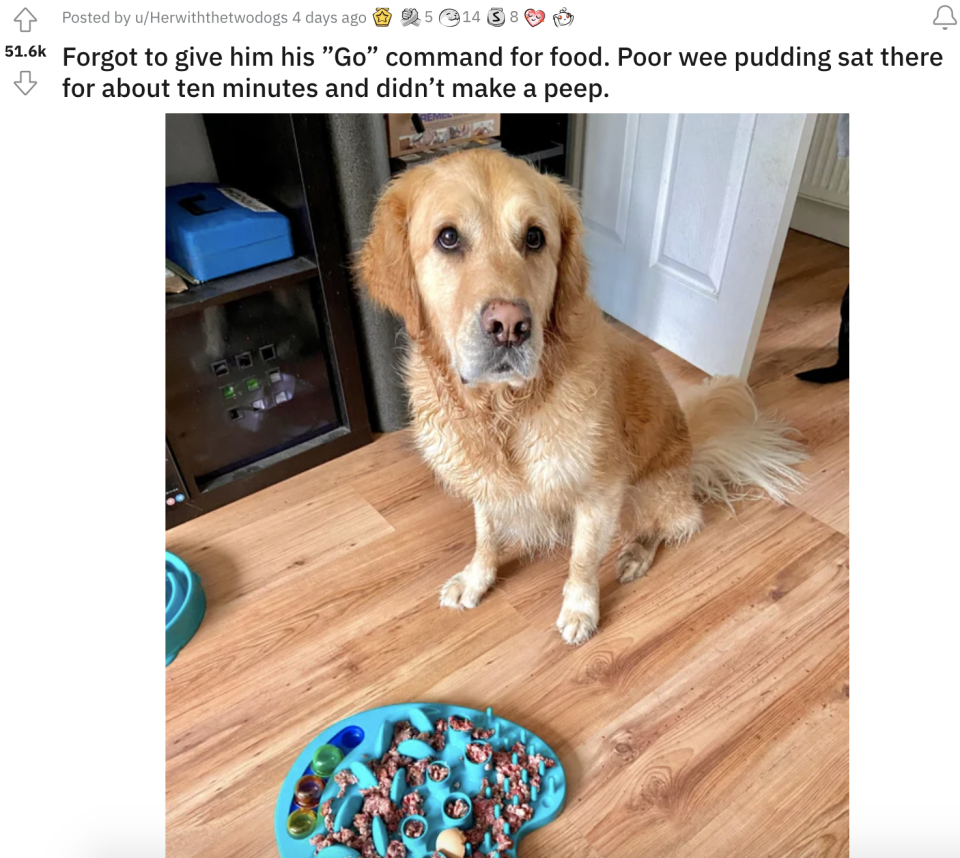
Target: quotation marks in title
column 357, row 57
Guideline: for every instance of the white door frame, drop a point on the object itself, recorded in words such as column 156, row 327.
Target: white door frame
column 793, row 191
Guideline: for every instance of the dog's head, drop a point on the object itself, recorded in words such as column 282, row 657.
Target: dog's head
column 480, row 255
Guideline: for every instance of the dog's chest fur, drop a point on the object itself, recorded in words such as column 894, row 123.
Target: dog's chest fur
column 526, row 465
column 491, row 460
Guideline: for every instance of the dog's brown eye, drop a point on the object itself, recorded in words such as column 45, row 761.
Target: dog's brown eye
column 535, row 238
column 449, row 238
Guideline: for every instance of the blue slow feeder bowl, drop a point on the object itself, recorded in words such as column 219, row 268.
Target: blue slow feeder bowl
column 185, row 605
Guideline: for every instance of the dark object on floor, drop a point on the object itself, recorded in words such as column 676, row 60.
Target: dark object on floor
column 841, row 369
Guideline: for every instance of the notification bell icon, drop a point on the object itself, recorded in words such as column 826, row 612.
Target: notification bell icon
column 945, row 18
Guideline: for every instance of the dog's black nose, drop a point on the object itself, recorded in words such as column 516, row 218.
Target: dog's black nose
column 507, row 323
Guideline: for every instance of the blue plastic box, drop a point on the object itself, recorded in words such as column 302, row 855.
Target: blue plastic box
column 214, row 230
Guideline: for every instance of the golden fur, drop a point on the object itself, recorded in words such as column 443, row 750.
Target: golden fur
column 590, row 440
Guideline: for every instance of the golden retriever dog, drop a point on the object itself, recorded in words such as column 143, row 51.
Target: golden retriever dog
column 527, row 402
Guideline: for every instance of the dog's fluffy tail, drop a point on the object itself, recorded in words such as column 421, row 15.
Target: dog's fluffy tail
column 736, row 449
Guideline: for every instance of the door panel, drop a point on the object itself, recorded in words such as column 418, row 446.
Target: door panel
column 607, row 208
column 686, row 216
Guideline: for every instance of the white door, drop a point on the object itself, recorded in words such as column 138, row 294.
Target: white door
column 686, row 215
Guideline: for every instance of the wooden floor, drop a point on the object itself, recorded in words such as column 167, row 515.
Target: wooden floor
column 709, row 716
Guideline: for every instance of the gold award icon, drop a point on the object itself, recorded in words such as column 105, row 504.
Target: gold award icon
column 382, row 16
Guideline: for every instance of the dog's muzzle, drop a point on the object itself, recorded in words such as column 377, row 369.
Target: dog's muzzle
column 501, row 347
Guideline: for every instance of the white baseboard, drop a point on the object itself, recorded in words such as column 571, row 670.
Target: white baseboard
column 831, row 223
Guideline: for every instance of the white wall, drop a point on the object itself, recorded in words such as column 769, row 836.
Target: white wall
column 188, row 151
column 823, row 201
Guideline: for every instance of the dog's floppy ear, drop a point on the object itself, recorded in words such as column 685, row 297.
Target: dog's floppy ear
column 384, row 262
column 572, row 269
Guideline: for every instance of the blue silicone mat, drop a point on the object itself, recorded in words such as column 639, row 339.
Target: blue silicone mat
column 373, row 745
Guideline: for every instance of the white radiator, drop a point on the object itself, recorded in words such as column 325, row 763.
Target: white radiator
column 823, row 201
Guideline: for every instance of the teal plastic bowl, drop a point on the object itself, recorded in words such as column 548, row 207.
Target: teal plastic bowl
column 186, row 605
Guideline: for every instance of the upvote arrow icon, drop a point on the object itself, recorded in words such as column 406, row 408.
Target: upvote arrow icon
column 25, row 84
column 25, row 19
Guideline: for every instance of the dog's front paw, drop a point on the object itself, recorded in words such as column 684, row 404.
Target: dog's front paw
column 463, row 590
column 576, row 626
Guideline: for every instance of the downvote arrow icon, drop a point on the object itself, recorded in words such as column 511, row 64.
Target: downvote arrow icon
column 25, row 19
column 25, row 84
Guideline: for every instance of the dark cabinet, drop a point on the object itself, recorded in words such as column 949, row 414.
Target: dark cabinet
column 262, row 369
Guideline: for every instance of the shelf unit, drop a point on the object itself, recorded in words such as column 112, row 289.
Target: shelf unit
column 312, row 406
column 240, row 285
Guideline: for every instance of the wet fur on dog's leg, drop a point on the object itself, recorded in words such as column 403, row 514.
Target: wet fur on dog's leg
column 658, row 509
column 466, row 588
column 595, row 522
column 636, row 557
